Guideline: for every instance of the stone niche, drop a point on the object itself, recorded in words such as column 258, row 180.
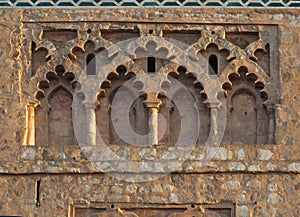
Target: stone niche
column 224, row 209
column 241, row 57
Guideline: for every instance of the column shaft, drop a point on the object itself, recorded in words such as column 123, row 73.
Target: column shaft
column 30, row 126
column 154, row 126
column 91, row 126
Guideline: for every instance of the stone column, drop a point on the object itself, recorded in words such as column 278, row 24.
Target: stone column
column 30, row 125
column 214, row 119
column 153, row 103
column 154, row 126
column 214, row 107
column 271, row 130
column 90, row 124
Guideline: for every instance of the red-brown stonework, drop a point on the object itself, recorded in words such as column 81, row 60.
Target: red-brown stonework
column 254, row 55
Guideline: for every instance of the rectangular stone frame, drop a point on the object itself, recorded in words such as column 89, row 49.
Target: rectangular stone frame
column 84, row 208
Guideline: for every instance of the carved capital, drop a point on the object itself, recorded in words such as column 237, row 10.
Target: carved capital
column 152, row 101
column 214, row 105
column 89, row 103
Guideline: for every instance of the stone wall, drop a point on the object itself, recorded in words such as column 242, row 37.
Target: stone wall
column 240, row 180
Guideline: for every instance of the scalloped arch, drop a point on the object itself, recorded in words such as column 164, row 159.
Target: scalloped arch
column 253, row 68
column 221, row 43
column 50, row 67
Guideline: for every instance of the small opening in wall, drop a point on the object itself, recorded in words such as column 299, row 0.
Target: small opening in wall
column 151, row 65
column 213, row 32
column 151, row 31
column 48, row 58
column 90, row 64
column 193, row 206
column 89, row 31
column 213, row 64
column 112, row 206
column 33, row 47
column 37, row 193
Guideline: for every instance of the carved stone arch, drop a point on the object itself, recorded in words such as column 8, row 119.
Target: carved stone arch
column 56, row 90
column 71, row 72
column 88, row 56
column 88, row 33
column 252, row 68
column 112, row 85
column 157, row 42
column 247, row 115
column 87, row 46
column 91, row 86
column 37, row 109
column 210, row 50
column 121, row 58
column 99, row 44
column 161, row 49
column 211, row 86
column 196, row 89
column 127, row 70
column 216, row 35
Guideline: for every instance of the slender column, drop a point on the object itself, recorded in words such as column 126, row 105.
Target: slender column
column 153, row 103
column 30, row 125
column 214, row 112
column 90, row 124
column 214, row 123
column 154, row 126
column 271, row 130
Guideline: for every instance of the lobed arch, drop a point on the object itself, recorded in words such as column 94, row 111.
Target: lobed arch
column 125, row 71
column 128, row 57
column 125, row 102
column 55, row 104
column 69, row 70
column 248, row 111
column 168, row 49
column 217, row 36
column 216, row 58
column 211, row 86
column 252, row 68
column 247, row 116
column 98, row 42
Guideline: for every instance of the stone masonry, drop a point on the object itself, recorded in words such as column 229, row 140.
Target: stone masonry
column 247, row 166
